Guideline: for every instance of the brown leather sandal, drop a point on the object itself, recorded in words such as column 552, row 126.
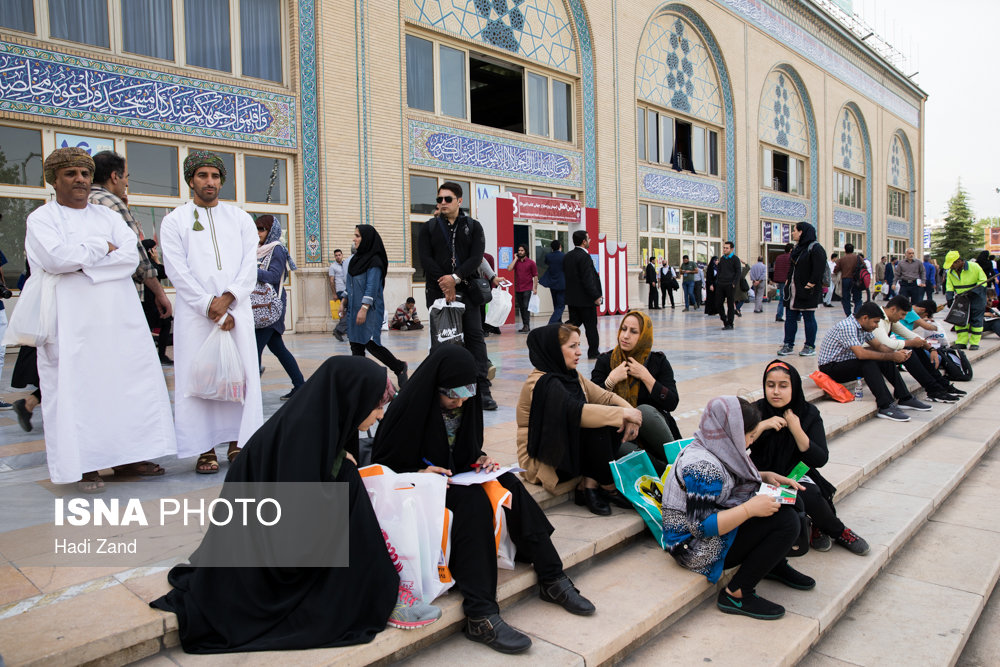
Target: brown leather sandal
column 207, row 464
column 233, row 453
column 91, row 482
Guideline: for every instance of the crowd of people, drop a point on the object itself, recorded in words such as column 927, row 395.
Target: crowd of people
column 228, row 271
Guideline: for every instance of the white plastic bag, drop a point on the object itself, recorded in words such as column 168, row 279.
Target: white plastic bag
column 499, row 307
column 33, row 321
column 534, row 304
column 218, row 372
column 416, row 527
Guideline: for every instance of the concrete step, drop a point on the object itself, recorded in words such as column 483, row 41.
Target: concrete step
column 582, row 539
column 887, row 509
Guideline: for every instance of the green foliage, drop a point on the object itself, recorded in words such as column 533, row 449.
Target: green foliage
column 957, row 233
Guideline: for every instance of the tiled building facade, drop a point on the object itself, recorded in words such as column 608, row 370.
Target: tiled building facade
column 683, row 123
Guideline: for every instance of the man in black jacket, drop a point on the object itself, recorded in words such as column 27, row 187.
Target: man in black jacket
column 652, row 279
column 451, row 250
column 727, row 277
column 583, row 290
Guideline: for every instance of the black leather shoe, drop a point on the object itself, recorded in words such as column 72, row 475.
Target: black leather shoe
column 23, row 414
column 614, row 497
column 593, row 501
column 495, row 633
column 489, row 403
column 562, row 592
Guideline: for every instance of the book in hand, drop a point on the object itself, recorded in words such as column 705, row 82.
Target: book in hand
column 784, row 495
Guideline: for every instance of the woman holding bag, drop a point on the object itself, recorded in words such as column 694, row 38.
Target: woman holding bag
column 713, row 520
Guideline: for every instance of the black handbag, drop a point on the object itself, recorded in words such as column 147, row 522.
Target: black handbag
column 961, row 308
column 478, row 291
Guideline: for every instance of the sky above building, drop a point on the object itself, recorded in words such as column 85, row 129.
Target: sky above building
column 956, row 49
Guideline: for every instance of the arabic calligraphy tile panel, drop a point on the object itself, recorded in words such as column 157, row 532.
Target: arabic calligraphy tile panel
column 674, row 69
column 781, row 120
column 848, row 219
column 310, row 130
column 797, row 38
column 898, row 228
column 781, row 207
column 448, row 148
column 46, row 83
column 671, row 186
column 539, row 30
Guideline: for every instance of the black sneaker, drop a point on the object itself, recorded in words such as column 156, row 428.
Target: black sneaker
column 913, row 404
column 489, row 403
column 563, row 593
column 952, row 389
column 791, row 577
column 942, row 397
column 852, row 542
column 4, row 405
column 820, row 541
column 751, row 605
column 495, row 633
column 23, row 414
column 893, row 413
column 973, row 347
column 958, row 346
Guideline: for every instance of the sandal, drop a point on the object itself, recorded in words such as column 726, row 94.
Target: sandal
column 140, row 469
column 232, row 453
column 207, row 464
column 91, row 482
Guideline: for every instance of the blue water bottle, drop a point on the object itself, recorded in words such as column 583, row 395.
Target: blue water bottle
column 859, row 392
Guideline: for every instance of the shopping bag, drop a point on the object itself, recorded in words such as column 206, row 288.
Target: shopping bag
column 33, row 320
column 416, row 526
column 637, row 480
column 500, row 497
column 534, row 304
column 672, row 449
column 335, row 309
column 831, row 387
column 217, row 372
column 446, row 323
column 499, row 308
column 961, row 308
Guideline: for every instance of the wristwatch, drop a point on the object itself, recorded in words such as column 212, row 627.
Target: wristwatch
column 455, row 276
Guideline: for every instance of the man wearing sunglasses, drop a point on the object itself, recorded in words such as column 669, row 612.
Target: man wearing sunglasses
column 451, row 251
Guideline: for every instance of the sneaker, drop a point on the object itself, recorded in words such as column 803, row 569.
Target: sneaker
column 23, row 414
column 893, row 413
column 495, row 633
column 685, row 310
column 779, row 319
column 913, row 404
column 412, row 613
column 4, row 405
column 952, row 389
column 942, row 397
column 852, row 542
column 791, row 577
column 808, row 351
column 785, row 350
column 751, row 605
column 973, row 347
column 489, row 403
column 958, row 346
column 820, row 541
column 563, row 593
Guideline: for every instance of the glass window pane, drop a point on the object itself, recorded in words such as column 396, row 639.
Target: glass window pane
column 687, row 248
column 656, row 218
column 260, row 38
column 207, row 27
column 652, row 143
column 713, row 153
column 419, row 73
column 538, row 104
column 793, row 179
column 703, row 255
column 562, row 111
column 698, row 147
column 453, row 84
column 496, row 93
column 228, row 189
column 702, row 223
column 658, row 250
column 643, row 217
column 18, row 15
column 674, row 252
column 644, row 248
column 768, row 175
column 15, row 213
column 802, row 177
column 84, row 21
column 423, row 191
column 418, row 269
column 542, row 193
column 687, row 222
column 152, row 169
column 264, row 179
column 520, row 191
column 148, row 28
column 468, row 200
column 666, row 138
column 640, row 131
column 715, row 225
column 21, row 157
column 149, row 218
column 715, row 249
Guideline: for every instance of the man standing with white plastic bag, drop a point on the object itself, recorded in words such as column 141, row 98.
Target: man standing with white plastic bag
column 210, row 253
column 103, row 394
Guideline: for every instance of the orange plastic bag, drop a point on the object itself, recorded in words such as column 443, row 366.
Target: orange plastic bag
column 831, row 387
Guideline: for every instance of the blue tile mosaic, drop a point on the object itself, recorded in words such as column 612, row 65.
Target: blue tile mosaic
column 848, row 219
column 310, row 131
column 802, row 95
column 781, row 207
column 849, row 148
column 865, row 150
column 671, row 186
column 907, row 157
column 898, row 228
column 781, row 120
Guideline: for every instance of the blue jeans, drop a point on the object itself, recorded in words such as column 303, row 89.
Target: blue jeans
column 792, row 326
column 689, row 300
column 780, row 296
column 558, row 305
column 272, row 339
column 848, row 291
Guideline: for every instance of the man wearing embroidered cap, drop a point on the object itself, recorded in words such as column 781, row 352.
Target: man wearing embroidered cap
column 209, row 250
column 969, row 279
column 103, row 395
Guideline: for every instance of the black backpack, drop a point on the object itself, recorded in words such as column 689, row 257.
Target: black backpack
column 956, row 365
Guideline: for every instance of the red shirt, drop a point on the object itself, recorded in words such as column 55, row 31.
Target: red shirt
column 781, row 264
column 524, row 271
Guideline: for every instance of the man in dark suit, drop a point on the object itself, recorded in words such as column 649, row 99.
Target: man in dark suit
column 652, row 280
column 583, row 290
column 451, row 251
column 727, row 277
column 555, row 280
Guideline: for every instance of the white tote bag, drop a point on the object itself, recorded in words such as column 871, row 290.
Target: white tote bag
column 499, row 307
column 33, row 322
column 534, row 304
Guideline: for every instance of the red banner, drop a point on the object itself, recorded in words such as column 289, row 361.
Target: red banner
column 533, row 207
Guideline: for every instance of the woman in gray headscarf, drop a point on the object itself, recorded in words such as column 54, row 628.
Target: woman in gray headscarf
column 713, row 520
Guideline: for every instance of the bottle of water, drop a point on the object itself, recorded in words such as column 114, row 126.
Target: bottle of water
column 859, row 392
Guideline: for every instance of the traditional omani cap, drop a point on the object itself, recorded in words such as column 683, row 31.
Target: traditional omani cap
column 197, row 159
column 949, row 259
column 66, row 157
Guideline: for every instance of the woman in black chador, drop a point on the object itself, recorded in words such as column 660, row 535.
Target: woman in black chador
column 228, row 609
column 435, row 425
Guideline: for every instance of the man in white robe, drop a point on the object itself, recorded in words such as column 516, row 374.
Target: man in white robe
column 103, row 395
column 210, row 254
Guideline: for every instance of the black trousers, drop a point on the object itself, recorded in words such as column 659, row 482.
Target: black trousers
column 760, row 545
column 380, row 353
column 522, row 299
column 473, row 547
column 664, row 291
column 872, row 371
column 587, row 317
column 820, row 510
column 726, row 295
column 920, row 367
column 654, row 297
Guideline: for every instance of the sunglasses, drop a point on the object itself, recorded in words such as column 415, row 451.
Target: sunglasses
column 446, row 200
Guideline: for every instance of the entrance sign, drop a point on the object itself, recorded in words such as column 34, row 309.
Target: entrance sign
column 533, row 207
